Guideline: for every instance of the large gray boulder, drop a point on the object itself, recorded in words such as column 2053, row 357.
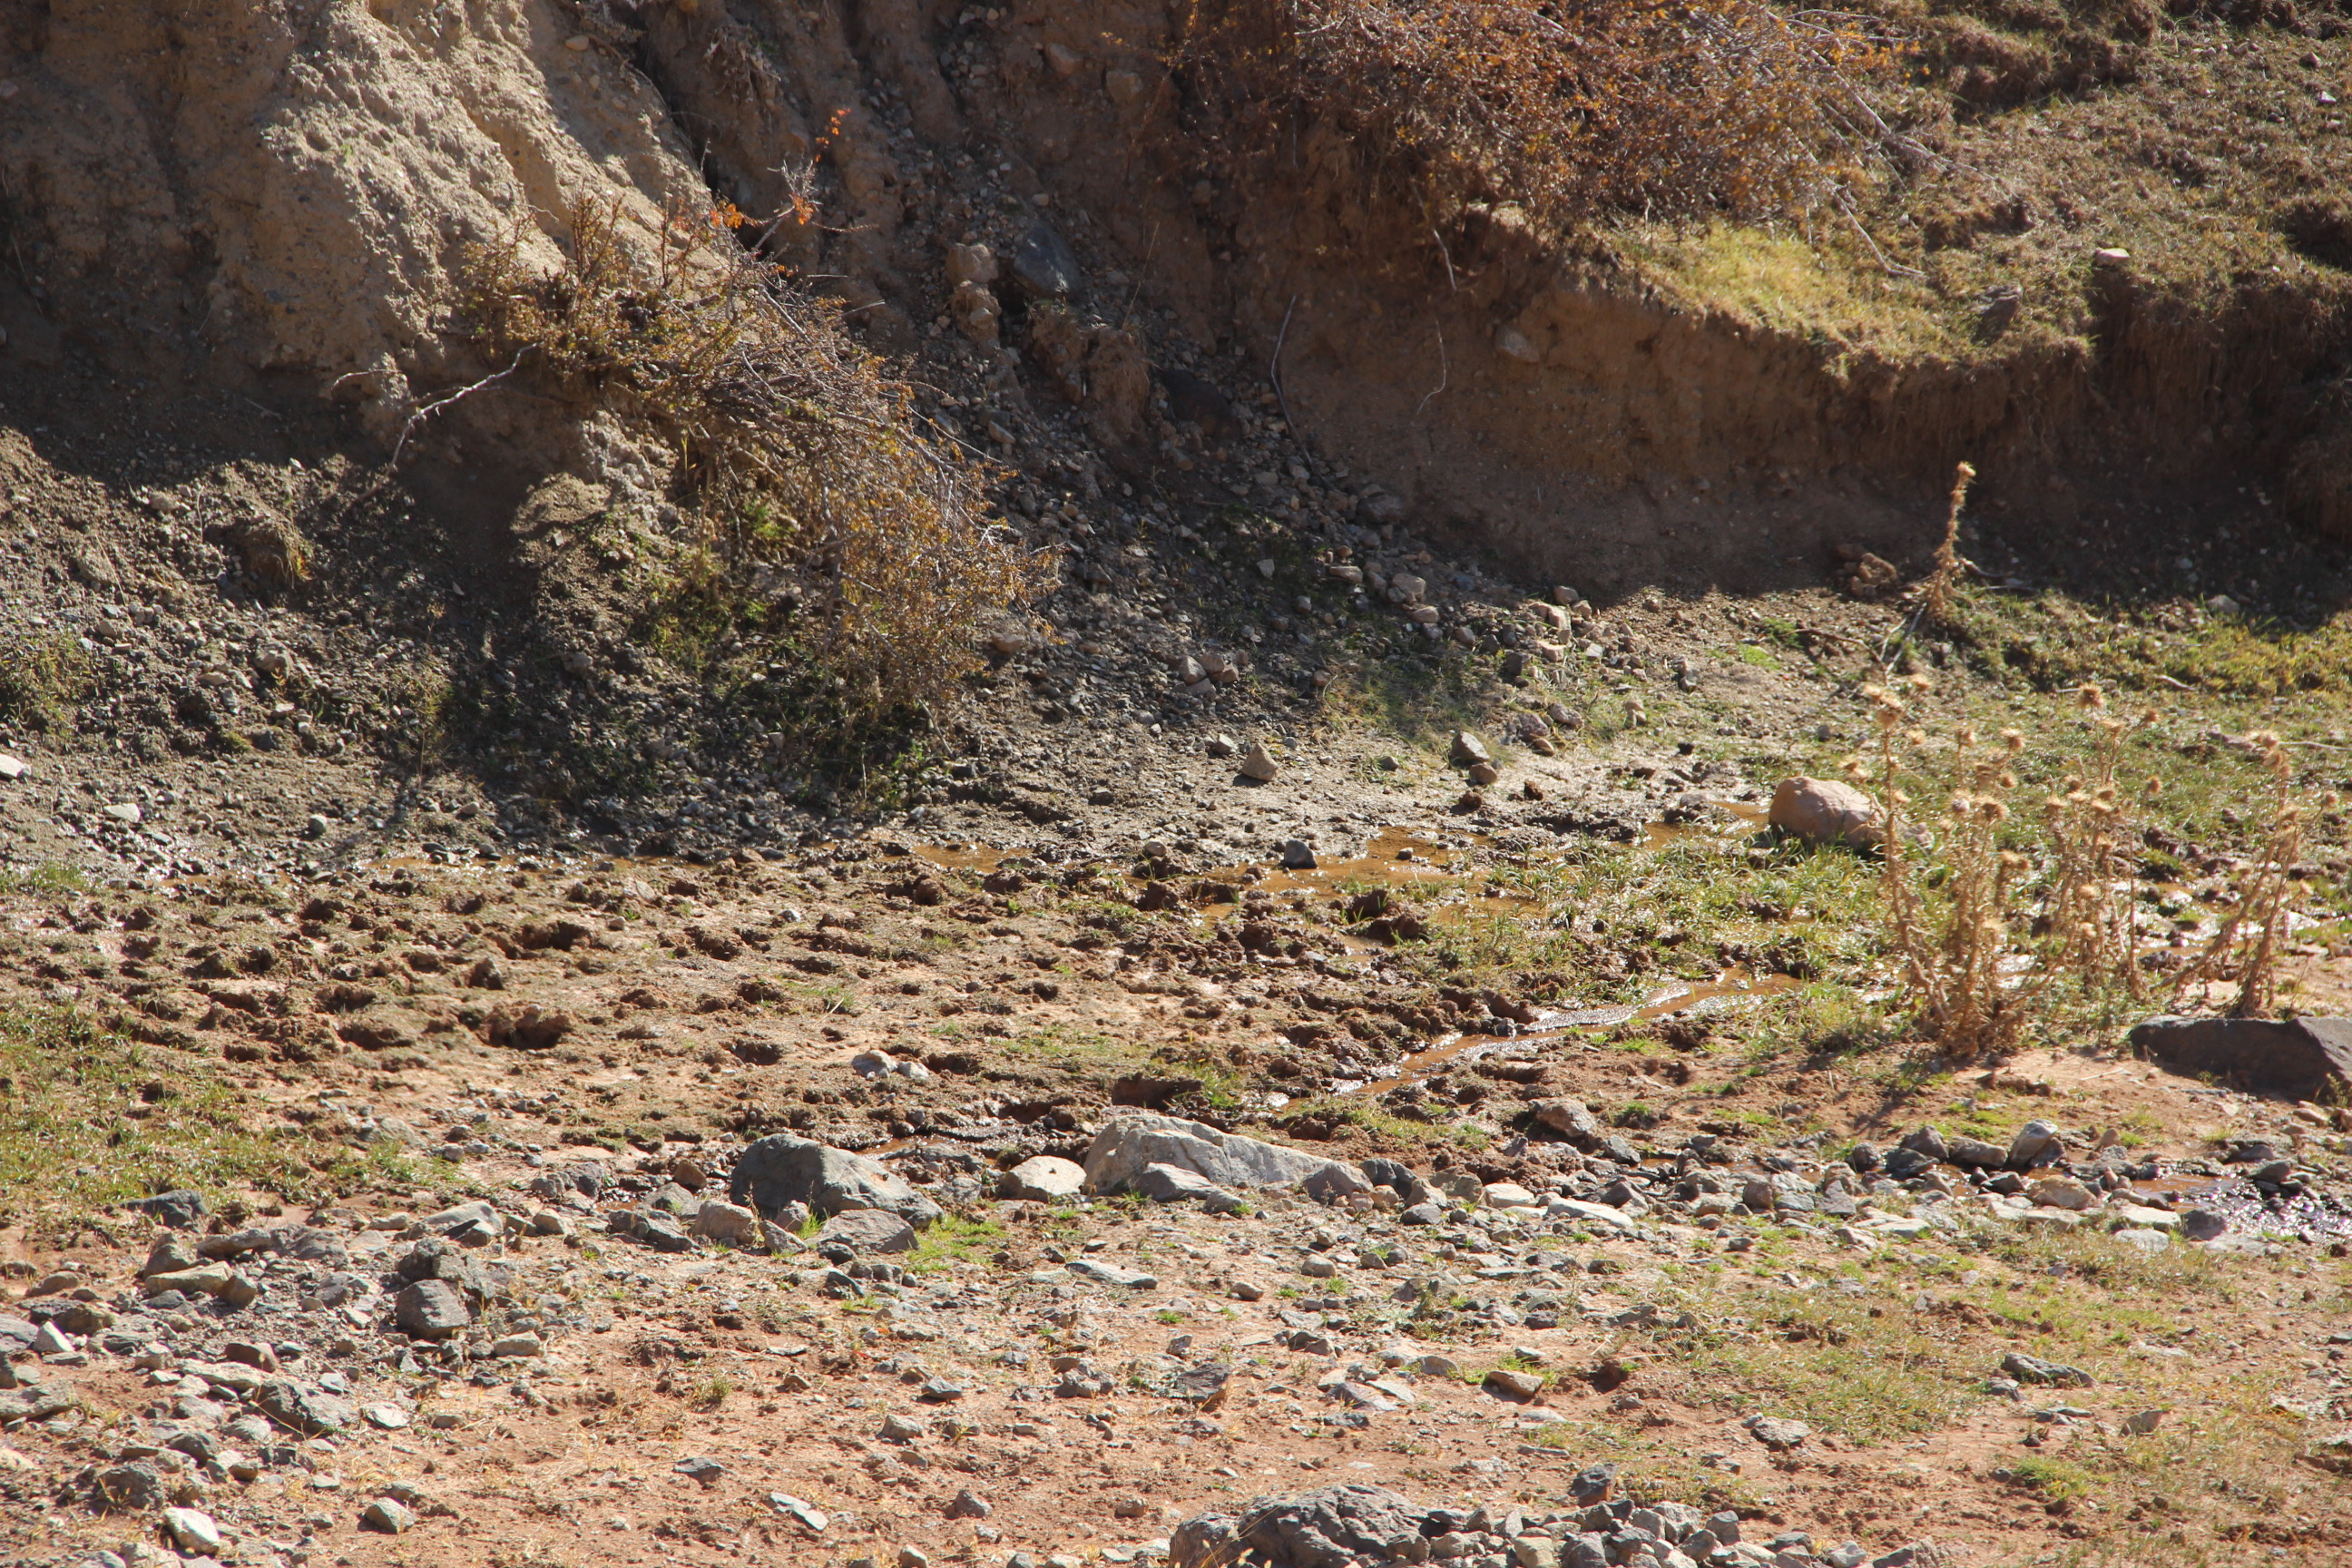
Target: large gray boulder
column 1332, row 1528
column 783, row 1169
column 2301, row 1057
column 1116, row 1160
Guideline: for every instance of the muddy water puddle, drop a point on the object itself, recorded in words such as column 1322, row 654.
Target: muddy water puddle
column 1732, row 988
column 2250, row 1210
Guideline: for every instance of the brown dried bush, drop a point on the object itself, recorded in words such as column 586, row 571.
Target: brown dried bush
column 798, row 460
column 1572, row 107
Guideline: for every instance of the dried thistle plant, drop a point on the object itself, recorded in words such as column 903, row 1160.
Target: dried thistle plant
column 1936, row 592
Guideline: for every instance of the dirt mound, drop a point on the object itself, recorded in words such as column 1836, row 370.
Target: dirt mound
column 280, row 190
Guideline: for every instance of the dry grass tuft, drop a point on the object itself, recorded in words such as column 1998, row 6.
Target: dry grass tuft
column 799, row 461
column 1573, row 108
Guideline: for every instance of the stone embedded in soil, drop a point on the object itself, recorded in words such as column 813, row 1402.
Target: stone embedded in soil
column 132, row 1488
column 1510, row 1383
column 195, row 1530
column 180, row 1209
column 1778, row 1433
column 1258, row 763
column 866, row 1230
column 1127, row 1143
column 2049, row 1374
column 431, row 1310
column 2061, row 1193
column 388, row 1516
column 1042, row 1178
column 1110, row 1274
column 1823, row 811
column 729, row 1223
column 1168, row 1183
column 2036, row 1143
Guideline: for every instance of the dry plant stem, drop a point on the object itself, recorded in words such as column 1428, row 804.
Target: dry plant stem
column 1937, row 596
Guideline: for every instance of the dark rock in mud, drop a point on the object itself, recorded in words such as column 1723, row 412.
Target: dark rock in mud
column 1044, row 266
column 2301, row 1057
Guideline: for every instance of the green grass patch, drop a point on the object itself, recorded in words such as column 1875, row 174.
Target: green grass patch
column 88, row 1118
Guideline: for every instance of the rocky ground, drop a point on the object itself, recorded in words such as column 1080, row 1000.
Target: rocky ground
column 1322, row 1064
column 476, row 1260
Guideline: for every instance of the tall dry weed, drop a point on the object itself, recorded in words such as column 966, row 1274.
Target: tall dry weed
column 792, row 451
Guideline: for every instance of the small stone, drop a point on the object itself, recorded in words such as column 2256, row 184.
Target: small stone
column 866, row 1230
column 2034, row 1369
column 1823, row 811
column 385, row 1418
column 517, row 1345
column 1222, row 745
column 11, row 768
column 701, row 1469
column 123, row 812
column 387, row 1516
column 814, row 1518
column 1043, row 1178
column 968, row 1504
column 1298, row 856
column 1258, row 763
column 194, row 1529
column 897, row 1428
column 1778, row 1433
column 1469, row 750
column 1110, row 1273
column 2058, row 1193
column 431, row 1310
column 2036, row 1143
column 127, row 1488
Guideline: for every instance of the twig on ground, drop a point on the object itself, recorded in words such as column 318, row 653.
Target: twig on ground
column 427, row 410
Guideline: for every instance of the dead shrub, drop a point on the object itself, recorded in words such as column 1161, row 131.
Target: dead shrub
column 1573, row 107
column 814, row 498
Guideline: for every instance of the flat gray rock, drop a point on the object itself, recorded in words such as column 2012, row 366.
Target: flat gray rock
column 1117, row 1159
column 866, row 1230
column 2301, row 1057
column 1110, row 1274
column 1172, row 1184
column 431, row 1310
